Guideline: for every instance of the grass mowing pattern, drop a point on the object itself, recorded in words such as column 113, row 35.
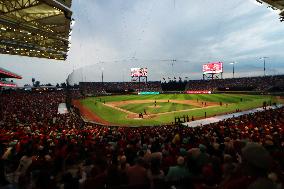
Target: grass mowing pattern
column 117, row 117
column 161, row 107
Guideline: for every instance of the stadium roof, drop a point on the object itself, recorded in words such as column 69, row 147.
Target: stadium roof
column 7, row 74
column 275, row 5
column 7, row 84
column 35, row 28
column 278, row 4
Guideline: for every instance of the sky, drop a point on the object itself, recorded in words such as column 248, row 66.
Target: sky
column 112, row 36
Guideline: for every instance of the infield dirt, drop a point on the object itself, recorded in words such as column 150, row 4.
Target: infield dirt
column 131, row 115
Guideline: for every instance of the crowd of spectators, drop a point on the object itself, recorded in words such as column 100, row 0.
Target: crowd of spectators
column 119, row 87
column 74, row 93
column 267, row 83
column 174, row 85
column 25, row 107
column 44, row 150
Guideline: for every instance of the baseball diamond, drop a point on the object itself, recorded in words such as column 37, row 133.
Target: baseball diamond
column 124, row 110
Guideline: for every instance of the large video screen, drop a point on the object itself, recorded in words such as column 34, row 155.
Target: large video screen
column 213, row 67
column 139, row 72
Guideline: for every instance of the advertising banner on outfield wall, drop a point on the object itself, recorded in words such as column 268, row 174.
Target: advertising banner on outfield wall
column 198, row 92
column 148, row 93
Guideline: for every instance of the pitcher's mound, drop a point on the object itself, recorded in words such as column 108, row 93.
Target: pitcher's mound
column 154, row 106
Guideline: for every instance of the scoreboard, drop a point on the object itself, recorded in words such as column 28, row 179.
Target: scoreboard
column 213, row 68
column 139, row 72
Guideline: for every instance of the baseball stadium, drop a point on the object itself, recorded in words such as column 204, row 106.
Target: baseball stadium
column 175, row 94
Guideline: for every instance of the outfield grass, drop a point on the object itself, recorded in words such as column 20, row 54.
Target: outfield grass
column 120, row 118
column 160, row 108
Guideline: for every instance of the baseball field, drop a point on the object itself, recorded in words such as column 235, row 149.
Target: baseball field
column 160, row 109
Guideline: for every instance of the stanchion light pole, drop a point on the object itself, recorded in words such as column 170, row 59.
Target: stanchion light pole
column 233, row 63
column 102, row 75
column 264, row 69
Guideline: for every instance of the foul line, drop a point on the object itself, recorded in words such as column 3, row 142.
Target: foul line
column 163, row 113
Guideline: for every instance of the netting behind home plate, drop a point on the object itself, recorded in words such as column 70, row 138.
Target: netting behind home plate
column 110, row 78
column 119, row 71
column 103, row 72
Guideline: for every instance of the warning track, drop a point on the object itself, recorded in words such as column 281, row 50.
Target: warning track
column 88, row 114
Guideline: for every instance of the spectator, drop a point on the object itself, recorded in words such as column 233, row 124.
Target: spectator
column 155, row 174
column 178, row 172
column 137, row 174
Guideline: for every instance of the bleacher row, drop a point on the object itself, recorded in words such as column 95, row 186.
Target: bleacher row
column 119, row 87
column 265, row 84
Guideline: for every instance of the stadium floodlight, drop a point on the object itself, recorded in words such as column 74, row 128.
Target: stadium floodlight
column 72, row 23
column 233, row 63
column 257, row 2
column 274, row 10
column 264, row 62
column 281, row 16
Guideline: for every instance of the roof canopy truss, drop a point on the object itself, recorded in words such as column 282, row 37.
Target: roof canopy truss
column 275, row 5
column 37, row 28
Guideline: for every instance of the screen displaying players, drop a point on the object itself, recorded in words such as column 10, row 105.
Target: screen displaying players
column 139, row 72
column 213, row 67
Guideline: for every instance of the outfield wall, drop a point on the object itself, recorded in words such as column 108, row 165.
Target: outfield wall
column 148, row 93
column 188, row 92
column 251, row 93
